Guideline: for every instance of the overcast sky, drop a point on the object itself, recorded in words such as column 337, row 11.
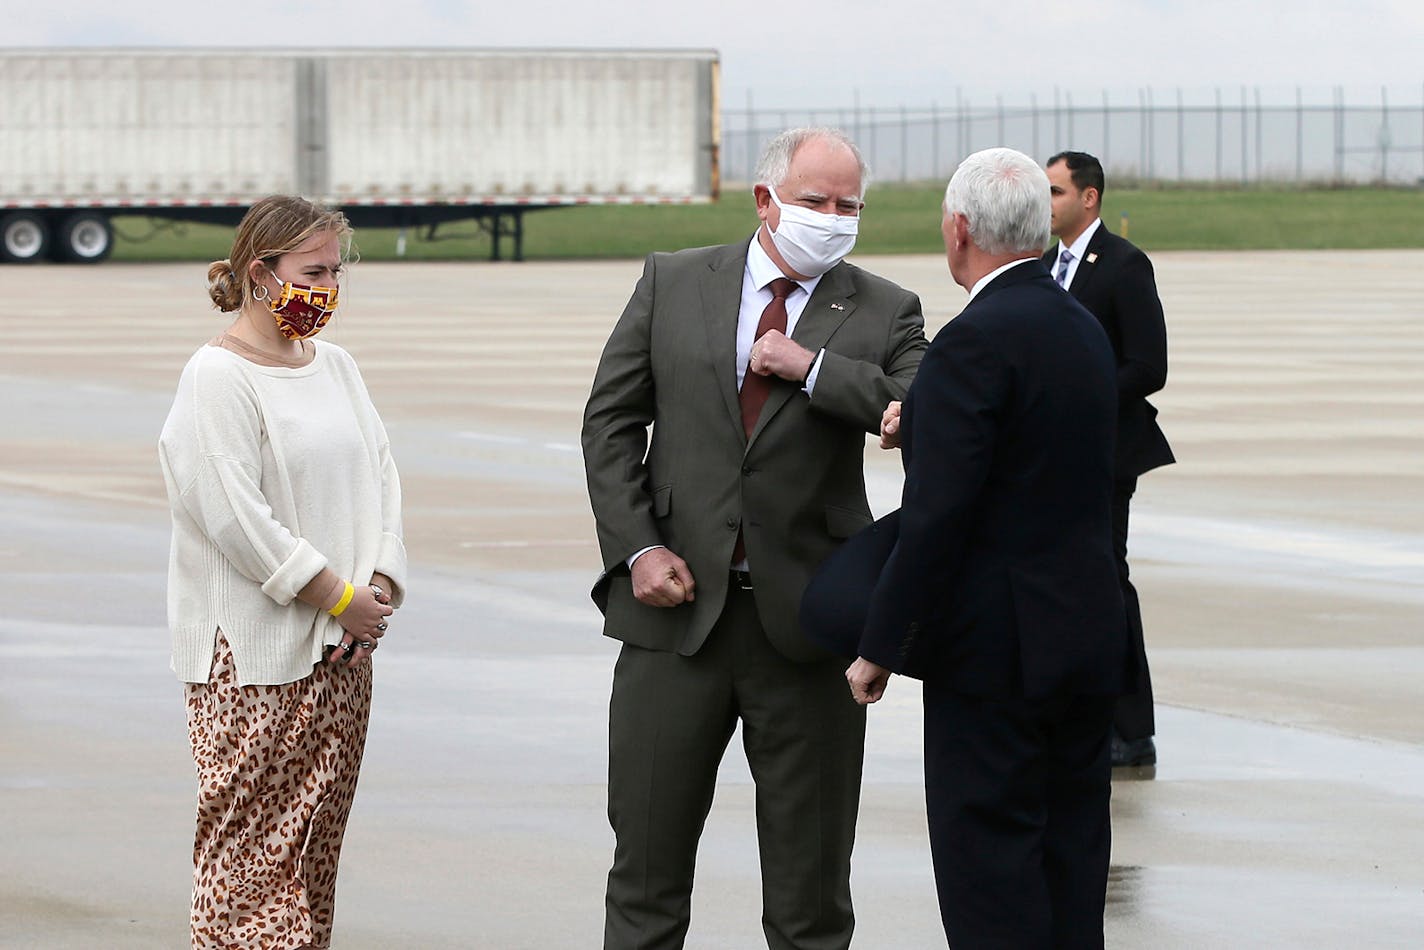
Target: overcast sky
column 796, row 53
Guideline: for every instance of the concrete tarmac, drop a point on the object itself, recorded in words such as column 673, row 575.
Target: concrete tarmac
column 1279, row 565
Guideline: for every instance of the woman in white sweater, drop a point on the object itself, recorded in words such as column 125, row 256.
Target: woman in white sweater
column 286, row 564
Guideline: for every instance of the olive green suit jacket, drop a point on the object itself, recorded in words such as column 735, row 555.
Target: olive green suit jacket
column 795, row 488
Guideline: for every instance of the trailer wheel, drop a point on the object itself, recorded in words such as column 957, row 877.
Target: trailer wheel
column 85, row 237
column 24, row 237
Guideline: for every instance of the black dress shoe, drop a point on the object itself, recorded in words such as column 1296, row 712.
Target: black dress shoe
column 1130, row 753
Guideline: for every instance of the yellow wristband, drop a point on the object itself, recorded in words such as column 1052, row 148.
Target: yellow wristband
column 344, row 602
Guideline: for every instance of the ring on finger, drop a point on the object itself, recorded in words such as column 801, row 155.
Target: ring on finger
column 367, row 644
column 382, row 626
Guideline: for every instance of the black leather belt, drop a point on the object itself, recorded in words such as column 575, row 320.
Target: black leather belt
column 741, row 579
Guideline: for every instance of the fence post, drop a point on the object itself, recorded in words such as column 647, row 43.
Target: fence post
column 1299, row 138
column 1181, row 138
column 1151, row 117
column 1384, row 135
column 1068, row 105
column 1339, row 134
column 1243, row 136
column 904, row 145
column 1107, row 147
column 934, row 139
column 859, row 134
column 1033, row 115
column 968, row 129
column 1217, row 177
column 751, row 138
column 874, row 157
column 1058, row 143
column 959, row 152
column 1141, row 134
column 1258, row 134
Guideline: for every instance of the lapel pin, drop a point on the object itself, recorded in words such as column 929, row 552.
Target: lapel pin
column 1093, row 258
column 836, row 306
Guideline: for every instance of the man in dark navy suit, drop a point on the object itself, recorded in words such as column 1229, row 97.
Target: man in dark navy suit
column 1001, row 592
column 1114, row 280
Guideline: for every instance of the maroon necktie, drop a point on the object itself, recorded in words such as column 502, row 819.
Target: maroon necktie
column 755, row 388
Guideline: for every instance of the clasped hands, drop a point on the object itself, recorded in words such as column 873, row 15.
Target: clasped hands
column 363, row 622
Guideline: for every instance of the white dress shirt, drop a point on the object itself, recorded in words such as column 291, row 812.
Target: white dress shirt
column 756, row 294
column 1077, row 249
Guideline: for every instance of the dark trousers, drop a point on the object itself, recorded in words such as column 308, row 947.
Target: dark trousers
column 1133, row 718
column 670, row 719
column 1020, row 831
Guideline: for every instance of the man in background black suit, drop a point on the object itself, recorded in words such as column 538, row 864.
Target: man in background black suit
column 1113, row 279
column 1001, row 592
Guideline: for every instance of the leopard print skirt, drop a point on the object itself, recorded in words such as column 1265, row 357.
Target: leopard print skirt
column 277, row 768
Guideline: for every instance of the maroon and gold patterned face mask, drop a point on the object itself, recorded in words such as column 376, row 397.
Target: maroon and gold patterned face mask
column 302, row 311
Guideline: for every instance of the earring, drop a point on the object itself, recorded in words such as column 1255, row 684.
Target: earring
column 256, row 296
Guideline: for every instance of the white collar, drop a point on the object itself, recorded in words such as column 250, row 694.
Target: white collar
column 983, row 282
column 763, row 270
column 1079, row 248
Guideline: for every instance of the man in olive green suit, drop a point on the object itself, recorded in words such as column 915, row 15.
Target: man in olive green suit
column 760, row 366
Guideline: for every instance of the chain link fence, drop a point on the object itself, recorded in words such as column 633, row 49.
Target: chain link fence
column 1232, row 139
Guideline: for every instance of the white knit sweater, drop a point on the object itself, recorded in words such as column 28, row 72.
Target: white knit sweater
column 272, row 474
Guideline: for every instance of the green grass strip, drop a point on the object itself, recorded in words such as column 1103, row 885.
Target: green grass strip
column 899, row 219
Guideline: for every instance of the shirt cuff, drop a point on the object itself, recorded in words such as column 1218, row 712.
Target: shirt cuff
column 810, row 383
column 642, row 552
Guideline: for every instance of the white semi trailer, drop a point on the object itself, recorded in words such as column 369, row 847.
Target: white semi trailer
column 394, row 137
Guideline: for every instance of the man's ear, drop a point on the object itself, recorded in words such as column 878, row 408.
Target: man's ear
column 1092, row 198
column 762, row 195
column 961, row 232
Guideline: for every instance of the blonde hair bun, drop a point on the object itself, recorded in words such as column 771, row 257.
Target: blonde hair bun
column 224, row 287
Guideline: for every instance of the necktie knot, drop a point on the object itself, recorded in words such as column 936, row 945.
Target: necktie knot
column 781, row 288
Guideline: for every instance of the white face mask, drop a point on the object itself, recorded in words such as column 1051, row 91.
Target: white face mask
column 810, row 242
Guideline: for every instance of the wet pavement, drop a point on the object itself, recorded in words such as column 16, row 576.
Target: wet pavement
column 1279, row 564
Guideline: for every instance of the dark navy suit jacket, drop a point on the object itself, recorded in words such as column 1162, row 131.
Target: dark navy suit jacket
column 1116, row 283
column 1002, row 582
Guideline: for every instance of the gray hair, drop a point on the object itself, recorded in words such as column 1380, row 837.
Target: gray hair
column 775, row 163
column 1005, row 197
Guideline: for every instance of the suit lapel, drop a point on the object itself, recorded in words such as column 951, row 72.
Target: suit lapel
column 721, row 302
column 828, row 308
column 1088, row 266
